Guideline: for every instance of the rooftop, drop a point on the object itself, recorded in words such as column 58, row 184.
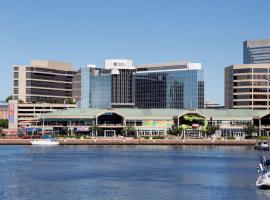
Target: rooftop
column 133, row 113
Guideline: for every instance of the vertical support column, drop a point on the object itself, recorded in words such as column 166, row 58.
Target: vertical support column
column 260, row 127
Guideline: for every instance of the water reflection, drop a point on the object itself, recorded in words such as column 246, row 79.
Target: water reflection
column 128, row 172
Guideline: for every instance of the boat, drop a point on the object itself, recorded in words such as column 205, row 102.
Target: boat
column 45, row 141
column 262, row 145
column 263, row 181
column 50, row 141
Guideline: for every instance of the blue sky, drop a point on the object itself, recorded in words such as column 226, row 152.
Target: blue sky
column 87, row 32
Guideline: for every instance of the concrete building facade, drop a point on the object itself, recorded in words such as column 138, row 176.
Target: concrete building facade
column 22, row 115
column 43, row 81
column 247, row 86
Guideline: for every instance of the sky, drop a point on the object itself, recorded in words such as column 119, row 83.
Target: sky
column 88, row 32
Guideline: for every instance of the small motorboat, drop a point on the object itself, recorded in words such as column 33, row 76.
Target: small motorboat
column 262, row 145
column 45, row 142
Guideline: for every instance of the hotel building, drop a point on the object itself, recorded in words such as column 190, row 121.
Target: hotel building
column 43, row 81
column 120, row 85
column 170, row 85
column 247, row 86
column 256, row 51
column 110, row 87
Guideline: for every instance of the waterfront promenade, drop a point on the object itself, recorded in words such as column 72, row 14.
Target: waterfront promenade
column 129, row 141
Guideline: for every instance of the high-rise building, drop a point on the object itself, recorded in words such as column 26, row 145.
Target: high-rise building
column 110, row 87
column 43, row 81
column 256, row 51
column 170, row 85
column 247, row 86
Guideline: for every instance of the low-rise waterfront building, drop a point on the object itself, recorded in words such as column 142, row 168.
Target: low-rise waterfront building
column 22, row 115
column 151, row 122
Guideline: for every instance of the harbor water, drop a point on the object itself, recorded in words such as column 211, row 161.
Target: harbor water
column 129, row 172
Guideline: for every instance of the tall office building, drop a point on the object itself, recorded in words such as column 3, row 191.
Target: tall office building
column 43, row 81
column 247, row 86
column 256, row 51
column 170, row 85
column 110, row 87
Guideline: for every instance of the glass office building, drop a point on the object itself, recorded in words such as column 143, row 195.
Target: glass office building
column 256, row 51
column 170, row 85
column 110, row 87
column 119, row 85
column 92, row 88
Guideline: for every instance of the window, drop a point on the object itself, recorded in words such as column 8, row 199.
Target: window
column 16, row 75
column 15, row 83
column 246, row 83
column 260, row 70
column 245, row 70
column 242, row 90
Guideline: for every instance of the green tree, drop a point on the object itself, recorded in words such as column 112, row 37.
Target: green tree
column 3, row 123
column 9, row 98
column 249, row 129
column 211, row 129
column 176, row 130
column 128, row 130
column 96, row 129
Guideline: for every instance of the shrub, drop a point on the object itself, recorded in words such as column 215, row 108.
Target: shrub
column 146, row 137
column 158, row 137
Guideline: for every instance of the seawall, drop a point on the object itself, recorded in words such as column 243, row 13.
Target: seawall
column 103, row 141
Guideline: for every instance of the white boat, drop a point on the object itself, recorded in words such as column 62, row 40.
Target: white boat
column 263, row 181
column 45, row 142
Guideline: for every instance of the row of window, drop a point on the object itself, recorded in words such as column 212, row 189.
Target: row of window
column 255, row 96
column 250, row 83
column 242, row 90
column 249, row 103
column 248, row 77
column 250, row 70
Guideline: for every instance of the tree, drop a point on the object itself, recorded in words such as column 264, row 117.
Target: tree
column 176, row 130
column 96, row 129
column 211, row 129
column 129, row 130
column 249, row 129
column 9, row 98
column 3, row 123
